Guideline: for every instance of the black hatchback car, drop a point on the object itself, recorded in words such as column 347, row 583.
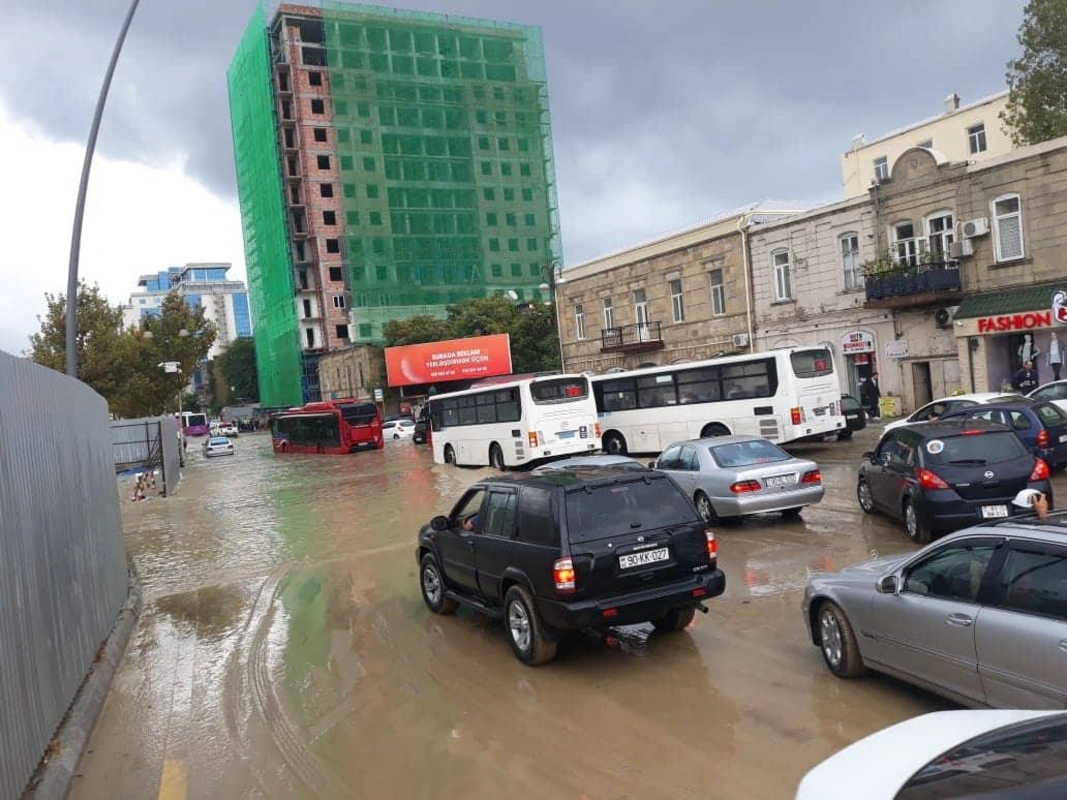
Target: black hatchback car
column 940, row 476
column 1040, row 425
column 562, row 551
column 422, row 426
column 855, row 417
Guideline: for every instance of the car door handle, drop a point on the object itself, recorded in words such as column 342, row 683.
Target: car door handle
column 960, row 620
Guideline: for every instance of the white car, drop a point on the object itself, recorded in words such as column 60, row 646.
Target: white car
column 218, row 446
column 949, row 754
column 398, row 429
column 938, row 408
column 1055, row 392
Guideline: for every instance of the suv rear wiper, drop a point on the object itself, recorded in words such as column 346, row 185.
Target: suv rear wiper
column 979, row 461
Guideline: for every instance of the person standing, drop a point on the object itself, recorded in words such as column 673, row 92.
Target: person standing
column 1055, row 356
column 870, row 395
column 1025, row 379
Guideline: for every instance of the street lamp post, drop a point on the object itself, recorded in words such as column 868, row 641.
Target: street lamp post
column 172, row 367
column 553, row 274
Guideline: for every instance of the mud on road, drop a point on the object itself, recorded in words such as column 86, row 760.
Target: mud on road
column 284, row 651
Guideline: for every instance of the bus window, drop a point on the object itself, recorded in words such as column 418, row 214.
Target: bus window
column 617, row 395
column 812, row 363
column 654, row 391
column 551, row 391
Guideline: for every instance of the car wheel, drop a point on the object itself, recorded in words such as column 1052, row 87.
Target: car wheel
column 863, row 493
column 433, row 587
column 677, row 619
column 450, row 454
column 714, row 429
column 614, row 444
column 917, row 532
column 496, row 457
column 396, row 436
column 792, row 513
column 844, row 436
column 525, row 631
column 706, row 509
column 837, row 642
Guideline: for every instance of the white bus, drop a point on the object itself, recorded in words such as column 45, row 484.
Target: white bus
column 514, row 421
column 781, row 395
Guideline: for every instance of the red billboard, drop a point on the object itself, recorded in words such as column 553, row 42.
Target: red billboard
column 452, row 360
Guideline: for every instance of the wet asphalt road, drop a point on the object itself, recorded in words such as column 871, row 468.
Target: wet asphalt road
column 284, row 651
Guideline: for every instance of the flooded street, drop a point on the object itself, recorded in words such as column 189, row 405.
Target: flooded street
column 284, row 651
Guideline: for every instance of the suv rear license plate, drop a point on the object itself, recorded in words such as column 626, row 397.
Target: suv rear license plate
column 994, row 512
column 640, row 559
column 781, row 480
column 565, row 435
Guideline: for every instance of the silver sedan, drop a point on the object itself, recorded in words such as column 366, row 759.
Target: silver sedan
column 732, row 476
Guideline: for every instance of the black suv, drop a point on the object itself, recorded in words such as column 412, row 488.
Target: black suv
column 422, row 425
column 566, row 550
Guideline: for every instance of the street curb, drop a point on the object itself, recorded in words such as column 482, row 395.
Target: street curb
column 54, row 777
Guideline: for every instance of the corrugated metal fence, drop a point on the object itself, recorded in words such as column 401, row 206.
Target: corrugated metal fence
column 151, row 443
column 62, row 558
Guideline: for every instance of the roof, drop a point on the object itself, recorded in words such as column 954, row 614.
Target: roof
column 1008, row 301
column 578, row 477
column 923, row 122
column 952, row 427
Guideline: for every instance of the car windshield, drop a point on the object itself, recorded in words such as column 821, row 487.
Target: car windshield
column 849, row 403
column 988, row 447
column 1051, row 415
column 219, row 440
column 747, row 454
column 598, row 512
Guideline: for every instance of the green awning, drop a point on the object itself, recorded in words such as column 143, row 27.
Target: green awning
column 1009, row 301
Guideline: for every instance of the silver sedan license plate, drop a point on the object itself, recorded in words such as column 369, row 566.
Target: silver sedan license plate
column 994, row 512
column 640, row 559
column 781, row 480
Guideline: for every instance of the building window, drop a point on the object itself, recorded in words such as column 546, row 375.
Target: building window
column 323, row 162
column 319, row 134
column 976, row 138
column 907, row 247
column 881, row 168
column 579, row 321
column 783, row 279
column 1008, row 227
column 609, row 313
column 940, row 233
column 333, row 245
column 718, row 293
column 927, row 143
column 315, row 78
column 329, row 217
column 342, row 331
column 677, row 303
column 310, row 334
column 318, row 107
column 850, row 260
column 335, row 274
column 365, row 330
column 326, row 189
column 338, row 301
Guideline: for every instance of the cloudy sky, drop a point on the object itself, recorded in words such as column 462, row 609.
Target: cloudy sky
column 664, row 113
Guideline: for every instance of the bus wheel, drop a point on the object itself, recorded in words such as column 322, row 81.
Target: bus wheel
column 614, row 443
column 496, row 457
column 450, row 454
column 714, row 429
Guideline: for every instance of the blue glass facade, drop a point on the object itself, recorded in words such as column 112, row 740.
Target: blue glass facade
column 241, row 317
column 194, row 301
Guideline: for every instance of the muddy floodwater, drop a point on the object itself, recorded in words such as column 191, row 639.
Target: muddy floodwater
column 284, row 651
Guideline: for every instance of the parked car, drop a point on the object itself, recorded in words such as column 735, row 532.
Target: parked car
column 398, row 428
column 945, row 475
column 979, row 617
column 1055, row 392
column 990, row 754
column 227, row 429
column 600, row 460
column 855, row 417
column 1041, row 426
column 218, row 446
column 733, row 476
column 931, row 412
column 422, row 427
column 556, row 552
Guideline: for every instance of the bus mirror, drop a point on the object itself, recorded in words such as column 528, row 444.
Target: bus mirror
column 439, row 523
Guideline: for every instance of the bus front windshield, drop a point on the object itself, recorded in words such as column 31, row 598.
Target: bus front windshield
column 559, row 390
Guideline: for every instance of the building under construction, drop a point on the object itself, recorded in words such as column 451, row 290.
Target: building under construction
column 389, row 163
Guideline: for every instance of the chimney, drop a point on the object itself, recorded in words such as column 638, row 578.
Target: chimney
column 952, row 103
column 858, row 141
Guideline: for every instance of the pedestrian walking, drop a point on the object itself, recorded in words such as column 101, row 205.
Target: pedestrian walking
column 870, row 395
column 1025, row 379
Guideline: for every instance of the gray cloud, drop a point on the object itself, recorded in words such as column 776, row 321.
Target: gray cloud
column 664, row 113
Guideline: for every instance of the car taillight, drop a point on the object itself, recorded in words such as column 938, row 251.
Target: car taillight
column 533, row 438
column 563, row 575
column 1040, row 472
column 712, row 545
column 973, row 433
column 813, row 476
column 745, row 486
column 795, row 415
column 930, row 480
column 596, row 429
column 1043, row 438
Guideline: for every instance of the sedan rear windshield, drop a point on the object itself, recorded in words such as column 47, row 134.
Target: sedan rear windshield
column 747, row 454
column 623, row 508
column 993, row 447
column 812, row 363
column 218, row 441
column 559, row 389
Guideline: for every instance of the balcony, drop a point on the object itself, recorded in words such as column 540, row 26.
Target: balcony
column 900, row 286
column 639, row 338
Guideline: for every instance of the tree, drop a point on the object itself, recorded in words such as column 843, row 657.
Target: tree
column 238, row 366
column 481, row 316
column 1037, row 80
column 416, row 330
column 535, row 339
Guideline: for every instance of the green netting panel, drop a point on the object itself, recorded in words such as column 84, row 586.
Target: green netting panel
column 445, row 149
column 259, row 185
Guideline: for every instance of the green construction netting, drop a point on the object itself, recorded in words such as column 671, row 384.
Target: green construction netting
column 263, row 218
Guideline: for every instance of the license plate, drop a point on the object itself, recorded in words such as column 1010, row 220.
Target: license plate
column 820, row 412
column 565, row 435
column 994, row 512
column 781, row 480
column 640, row 559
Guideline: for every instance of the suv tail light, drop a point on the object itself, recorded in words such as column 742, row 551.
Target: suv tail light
column 563, row 575
column 712, row 545
column 1040, row 472
column 533, row 438
column 814, row 476
column 930, row 480
column 1043, row 438
column 794, row 414
column 745, row 486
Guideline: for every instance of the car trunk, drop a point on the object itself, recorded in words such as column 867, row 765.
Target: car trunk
column 632, row 535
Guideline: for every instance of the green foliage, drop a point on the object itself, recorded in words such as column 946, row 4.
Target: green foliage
column 416, row 330
column 191, row 403
column 482, row 316
column 535, row 340
column 1037, row 80
column 238, row 368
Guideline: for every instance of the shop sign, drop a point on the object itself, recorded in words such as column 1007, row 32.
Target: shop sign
column 857, row 342
column 1059, row 306
column 897, row 349
column 1015, row 322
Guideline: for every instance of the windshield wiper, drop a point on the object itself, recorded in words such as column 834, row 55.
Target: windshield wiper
column 979, row 461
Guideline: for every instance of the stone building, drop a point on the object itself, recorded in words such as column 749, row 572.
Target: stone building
column 352, row 372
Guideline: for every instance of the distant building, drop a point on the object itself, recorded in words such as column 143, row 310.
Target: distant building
column 972, row 132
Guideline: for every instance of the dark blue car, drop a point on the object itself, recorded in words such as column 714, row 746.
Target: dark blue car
column 1041, row 426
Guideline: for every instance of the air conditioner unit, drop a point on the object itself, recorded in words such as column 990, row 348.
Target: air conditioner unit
column 740, row 340
column 943, row 317
column 961, row 249
column 974, row 227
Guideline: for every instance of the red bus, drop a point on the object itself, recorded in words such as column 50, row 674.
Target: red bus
column 333, row 427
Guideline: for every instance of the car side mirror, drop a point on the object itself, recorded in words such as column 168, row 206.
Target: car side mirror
column 651, row 464
column 439, row 523
column 888, row 585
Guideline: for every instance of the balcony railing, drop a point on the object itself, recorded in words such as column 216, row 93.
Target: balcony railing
column 906, row 285
column 631, row 338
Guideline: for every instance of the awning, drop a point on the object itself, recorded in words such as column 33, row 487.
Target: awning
column 1009, row 301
